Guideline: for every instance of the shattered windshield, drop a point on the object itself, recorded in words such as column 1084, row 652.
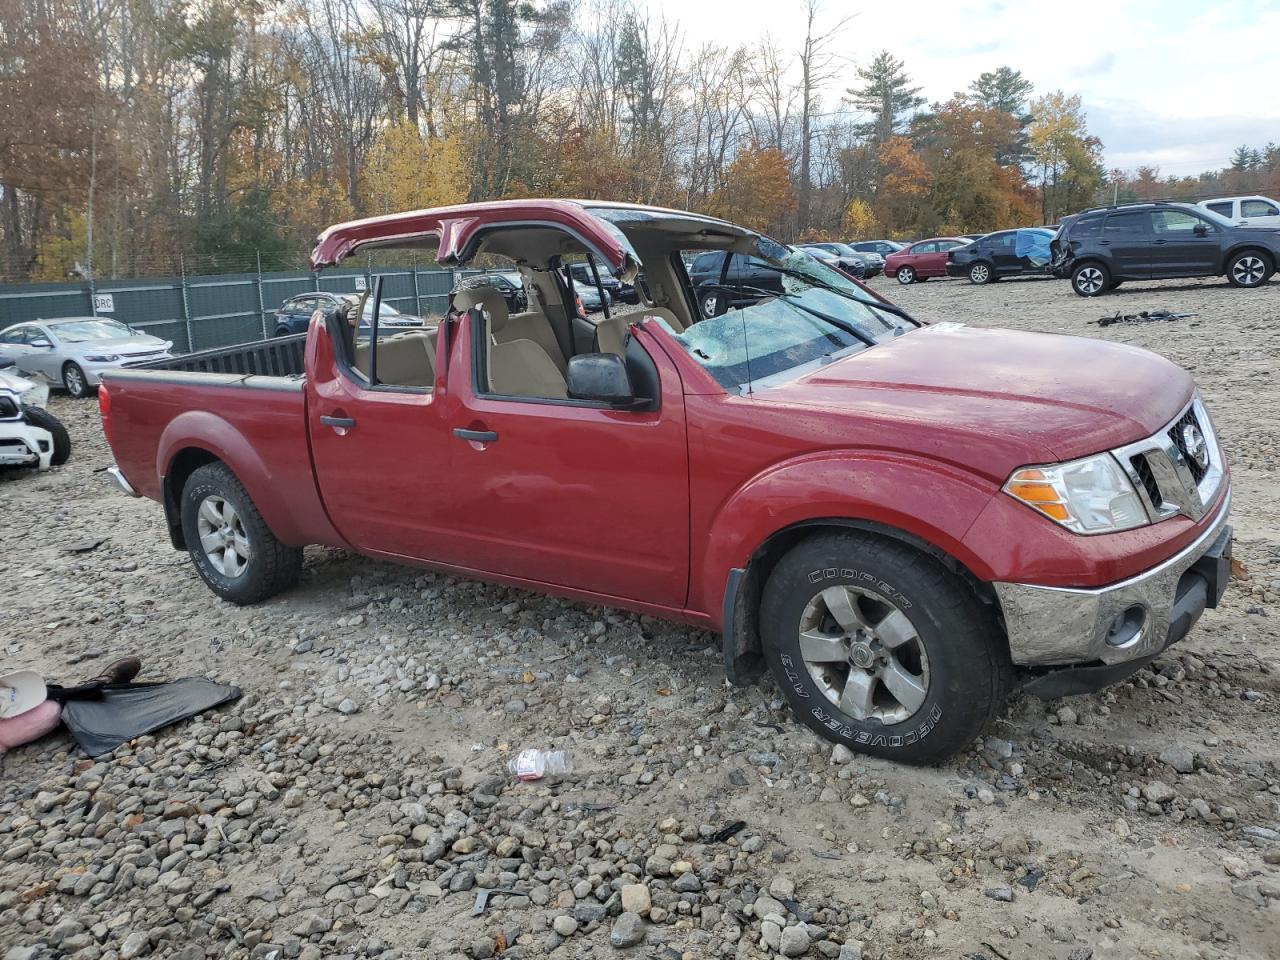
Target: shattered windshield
column 785, row 313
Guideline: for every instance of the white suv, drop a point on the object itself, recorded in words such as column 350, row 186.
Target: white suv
column 1247, row 211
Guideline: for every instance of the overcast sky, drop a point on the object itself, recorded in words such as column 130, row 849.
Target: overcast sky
column 1178, row 84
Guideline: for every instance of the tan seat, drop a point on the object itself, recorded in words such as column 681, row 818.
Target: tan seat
column 611, row 334
column 404, row 360
column 521, row 368
column 505, row 327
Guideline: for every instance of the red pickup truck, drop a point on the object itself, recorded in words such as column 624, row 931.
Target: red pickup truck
column 900, row 520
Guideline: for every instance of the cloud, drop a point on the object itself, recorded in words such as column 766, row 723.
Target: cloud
column 1098, row 66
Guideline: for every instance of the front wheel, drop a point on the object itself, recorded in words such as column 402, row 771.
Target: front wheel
column 61, row 439
column 75, row 381
column 230, row 544
column 1090, row 279
column 906, row 275
column 1248, row 269
column 881, row 648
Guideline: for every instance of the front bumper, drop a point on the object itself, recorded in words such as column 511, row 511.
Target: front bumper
column 22, row 445
column 1128, row 621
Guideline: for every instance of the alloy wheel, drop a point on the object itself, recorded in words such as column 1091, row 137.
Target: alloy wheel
column 1248, row 271
column 906, row 275
column 709, row 305
column 74, row 381
column 979, row 273
column 864, row 654
column 222, row 536
column 1089, row 280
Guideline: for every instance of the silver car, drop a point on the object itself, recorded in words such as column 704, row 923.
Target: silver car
column 75, row 351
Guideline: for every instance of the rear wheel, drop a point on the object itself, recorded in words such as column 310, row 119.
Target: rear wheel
column 230, row 544
column 906, row 275
column 1249, row 268
column 47, row 421
column 75, row 381
column 1090, row 279
column 881, row 648
column 711, row 305
column 980, row 273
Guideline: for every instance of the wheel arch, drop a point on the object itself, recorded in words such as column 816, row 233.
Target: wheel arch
column 741, row 640
column 1249, row 246
column 183, row 463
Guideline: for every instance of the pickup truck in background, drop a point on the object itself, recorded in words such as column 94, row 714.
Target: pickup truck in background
column 900, row 521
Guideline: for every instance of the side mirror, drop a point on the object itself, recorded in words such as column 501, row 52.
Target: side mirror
column 42, row 343
column 1200, row 230
column 602, row 377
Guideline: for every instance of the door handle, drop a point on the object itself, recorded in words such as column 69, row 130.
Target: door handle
column 1104, row 243
column 476, row 436
column 344, row 422
column 1158, row 241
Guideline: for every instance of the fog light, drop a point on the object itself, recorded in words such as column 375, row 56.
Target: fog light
column 1126, row 627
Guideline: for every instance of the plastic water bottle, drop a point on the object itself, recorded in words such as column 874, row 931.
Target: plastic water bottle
column 535, row 764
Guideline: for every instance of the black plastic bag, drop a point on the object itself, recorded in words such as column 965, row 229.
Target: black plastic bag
column 103, row 716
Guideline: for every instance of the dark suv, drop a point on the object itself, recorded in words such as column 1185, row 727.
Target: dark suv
column 715, row 296
column 1101, row 248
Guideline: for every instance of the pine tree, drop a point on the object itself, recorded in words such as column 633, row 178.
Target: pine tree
column 886, row 94
column 1007, row 90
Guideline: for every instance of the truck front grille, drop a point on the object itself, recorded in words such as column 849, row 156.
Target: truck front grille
column 1165, row 470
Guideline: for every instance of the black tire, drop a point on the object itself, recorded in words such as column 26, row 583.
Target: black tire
column 270, row 568
column 981, row 273
column 282, row 332
column 906, row 275
column 1115, row 284
column 1091, row 279
column 958, row 645
column 47, row 421
column 1249, row 269
column 712, row 304
column 74, row 380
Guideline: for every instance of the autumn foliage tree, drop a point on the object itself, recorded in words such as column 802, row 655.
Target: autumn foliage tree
column 756, row 191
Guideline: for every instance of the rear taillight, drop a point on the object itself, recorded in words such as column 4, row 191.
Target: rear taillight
column 104, row 407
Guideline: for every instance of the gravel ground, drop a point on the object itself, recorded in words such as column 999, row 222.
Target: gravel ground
column 356, row 798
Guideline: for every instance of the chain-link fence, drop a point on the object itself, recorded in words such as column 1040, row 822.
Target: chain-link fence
column 201, row 312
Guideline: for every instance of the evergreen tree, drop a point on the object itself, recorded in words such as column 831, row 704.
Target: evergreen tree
column 1007, row 90
column 887, row 95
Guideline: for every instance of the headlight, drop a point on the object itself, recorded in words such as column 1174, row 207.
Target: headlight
column 1091, row 495
column 104, row 358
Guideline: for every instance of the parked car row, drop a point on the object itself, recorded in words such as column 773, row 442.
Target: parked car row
column 74, row 352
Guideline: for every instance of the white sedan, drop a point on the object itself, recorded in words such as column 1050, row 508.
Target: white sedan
column 75, row 351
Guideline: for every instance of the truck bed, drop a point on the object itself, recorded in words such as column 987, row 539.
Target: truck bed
column 278, row 357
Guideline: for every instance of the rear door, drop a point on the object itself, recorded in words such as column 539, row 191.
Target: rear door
column 1003, row 251
column 380, row 455
column 1126, row 241
column 1183, row 244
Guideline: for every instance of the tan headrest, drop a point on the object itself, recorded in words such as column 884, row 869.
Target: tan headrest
column 489, row 299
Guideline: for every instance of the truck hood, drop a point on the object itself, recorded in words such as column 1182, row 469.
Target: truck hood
column 1009, row 398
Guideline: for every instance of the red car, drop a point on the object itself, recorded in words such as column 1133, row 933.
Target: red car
column 922, row 260
column 900, row 521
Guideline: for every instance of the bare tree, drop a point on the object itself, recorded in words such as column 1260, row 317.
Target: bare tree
column 817, row 68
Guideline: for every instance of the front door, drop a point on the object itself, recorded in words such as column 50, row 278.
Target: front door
column 1126, row 236
column 568, row 493
column 1182, row 244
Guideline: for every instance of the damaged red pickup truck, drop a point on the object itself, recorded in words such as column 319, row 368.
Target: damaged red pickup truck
column 900, row 520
